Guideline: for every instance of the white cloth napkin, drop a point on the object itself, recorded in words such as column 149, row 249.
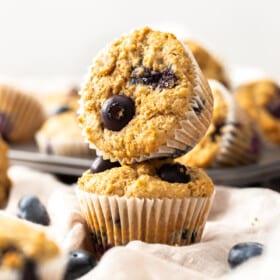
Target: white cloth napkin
column 237, row 215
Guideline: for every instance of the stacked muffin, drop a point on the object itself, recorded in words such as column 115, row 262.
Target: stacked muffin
column 145, row 102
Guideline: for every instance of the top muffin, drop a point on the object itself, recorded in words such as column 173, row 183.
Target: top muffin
column 144, row 97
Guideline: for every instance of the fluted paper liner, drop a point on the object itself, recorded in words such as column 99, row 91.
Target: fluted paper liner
column 238, row 134
column 25, row 114
column 197, row 120
column 115, row 220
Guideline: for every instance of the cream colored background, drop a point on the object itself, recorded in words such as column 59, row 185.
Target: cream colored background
column 59, row 37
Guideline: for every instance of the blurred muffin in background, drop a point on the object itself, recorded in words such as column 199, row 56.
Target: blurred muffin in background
column 54, row 103
column 27, row 253
column 261, row 100
column 61, row 135
column 231, row 139
column 5, row 183
column 21, row 115
column 210, row 66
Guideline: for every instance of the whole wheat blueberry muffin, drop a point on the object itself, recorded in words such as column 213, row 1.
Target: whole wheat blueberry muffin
column 261, row 100
column 5, row 183
column 156, row 201
column 21, row 114
column 144, row 97
column 210, row 66
column 61, row 135
column 27, row 253
column 231, row 139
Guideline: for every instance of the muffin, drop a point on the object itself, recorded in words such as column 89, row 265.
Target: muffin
column 56, row 102
column 157, row 201
column 26, row 252
column 261, row 100
column 61, row 135
column 231, row 139
column 145, row 97
column 208, row 63
column 21, row 115
column 5, row 183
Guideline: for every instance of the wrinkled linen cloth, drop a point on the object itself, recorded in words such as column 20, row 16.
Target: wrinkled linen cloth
column 237, row 215
column 67, row 227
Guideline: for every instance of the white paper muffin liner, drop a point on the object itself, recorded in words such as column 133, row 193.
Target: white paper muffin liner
column 115, row 220
column 197, row 120
column 25, row 114
column 62, row 146
column 238, row 135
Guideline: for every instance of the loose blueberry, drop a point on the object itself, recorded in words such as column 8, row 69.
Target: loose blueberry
column 243, row 251
column 100, row 165
column 61, row 110
column 274, row 108
column 31, row 209
column 117, row 111
column 79, row 263
column 174, row 173
column 156, row 79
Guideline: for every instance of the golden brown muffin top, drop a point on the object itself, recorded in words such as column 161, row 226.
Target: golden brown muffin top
column 62, row 126
column 152, row 69
column 144, row 180
column 261, row 100
column 209, row 65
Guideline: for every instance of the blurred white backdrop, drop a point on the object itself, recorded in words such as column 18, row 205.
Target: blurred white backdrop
column 57, row 38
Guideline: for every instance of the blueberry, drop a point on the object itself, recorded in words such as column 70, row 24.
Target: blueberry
column 117, row 111
column 242, row 252
column 79, row 263
column 157, row 79
column 274, row 108
column 174, row 173
column 62, row 109
column 100, row 165
column 31, row 209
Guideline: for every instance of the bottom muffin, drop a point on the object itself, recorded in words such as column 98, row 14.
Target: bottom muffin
column 159, row 201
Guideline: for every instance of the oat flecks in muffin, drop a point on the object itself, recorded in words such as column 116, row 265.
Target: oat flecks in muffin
column 155, row 71
column 143, row 181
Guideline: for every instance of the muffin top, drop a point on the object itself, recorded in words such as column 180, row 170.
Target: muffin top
column 151, row 179
column 137, row 91
column 19, row 240
column 62, row 126
column 209, row 65
column 4, row 180
column 261, row 99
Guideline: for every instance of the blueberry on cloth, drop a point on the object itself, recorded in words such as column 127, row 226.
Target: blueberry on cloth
column 241, row 252
column 79, row 263
column 174, row 173
column 117, row 111
column 100, row 165
column 31, row 209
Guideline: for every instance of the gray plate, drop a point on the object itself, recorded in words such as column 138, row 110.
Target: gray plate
column 261, row 173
